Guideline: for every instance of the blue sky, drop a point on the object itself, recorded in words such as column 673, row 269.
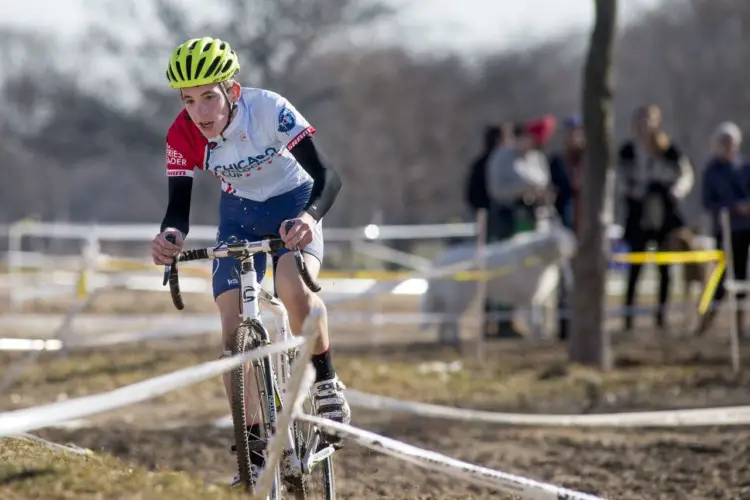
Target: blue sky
column 455, row 25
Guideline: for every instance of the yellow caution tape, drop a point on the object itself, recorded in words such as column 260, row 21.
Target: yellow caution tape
column 710, row 288
column 82, row 285
column 662, row 258
column 691, row 257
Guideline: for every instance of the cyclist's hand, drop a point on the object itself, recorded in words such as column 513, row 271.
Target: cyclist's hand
column 298, row 232
column 164, row 252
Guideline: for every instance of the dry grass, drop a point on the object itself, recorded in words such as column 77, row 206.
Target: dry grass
column 32, row 471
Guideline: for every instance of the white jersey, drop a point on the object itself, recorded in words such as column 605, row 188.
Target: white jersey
column 253, row 160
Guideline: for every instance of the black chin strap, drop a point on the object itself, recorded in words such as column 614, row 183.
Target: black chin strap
column 232, row 111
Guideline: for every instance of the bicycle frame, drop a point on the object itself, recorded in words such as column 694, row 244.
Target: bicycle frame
column 250, row 296
column 250, row 310
column 251, row 293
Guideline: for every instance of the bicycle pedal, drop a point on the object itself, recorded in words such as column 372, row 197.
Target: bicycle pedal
column 330, row 440
column 336, row 446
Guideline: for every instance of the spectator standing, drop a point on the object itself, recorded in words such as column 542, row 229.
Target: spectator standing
column 726, row 185
column 653, row 176
column 499, row 216
column 517, row 181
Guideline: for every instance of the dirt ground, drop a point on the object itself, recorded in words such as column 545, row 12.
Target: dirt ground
column 174, row 432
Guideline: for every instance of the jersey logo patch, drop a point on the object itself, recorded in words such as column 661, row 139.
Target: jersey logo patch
column 175, row 158
column 244, row 167
column 287, row 121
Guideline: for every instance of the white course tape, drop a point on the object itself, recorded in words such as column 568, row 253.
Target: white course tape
column 728, row 415
column 481, row 476
column 302, row 379
column 15, row 344
column 384, row 287
column 161, row 333
column 20, row 421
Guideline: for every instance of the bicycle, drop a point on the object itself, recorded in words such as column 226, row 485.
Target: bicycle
column 312, row 449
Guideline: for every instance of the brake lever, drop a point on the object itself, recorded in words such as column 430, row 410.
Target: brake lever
column 168, row 267
column 301, row 266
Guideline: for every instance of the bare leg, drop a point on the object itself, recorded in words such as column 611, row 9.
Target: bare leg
column 229, row 309
column 328, row 396
column 298, row 299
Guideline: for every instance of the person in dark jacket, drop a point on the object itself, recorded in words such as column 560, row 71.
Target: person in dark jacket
column 476, row 186
column 653, row 176
column 726, row 186
column 566, row 170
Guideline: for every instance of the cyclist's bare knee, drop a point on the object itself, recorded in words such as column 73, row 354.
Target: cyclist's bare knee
column 297, row 298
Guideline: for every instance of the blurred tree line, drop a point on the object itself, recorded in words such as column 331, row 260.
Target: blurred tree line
column 400, row 127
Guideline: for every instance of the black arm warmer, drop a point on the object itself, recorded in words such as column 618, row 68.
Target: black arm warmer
column 326, row 180
column 178, row 207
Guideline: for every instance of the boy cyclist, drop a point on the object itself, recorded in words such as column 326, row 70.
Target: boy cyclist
column 273, row 176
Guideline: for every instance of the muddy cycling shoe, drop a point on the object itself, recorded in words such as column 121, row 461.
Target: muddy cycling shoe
column 329, row 402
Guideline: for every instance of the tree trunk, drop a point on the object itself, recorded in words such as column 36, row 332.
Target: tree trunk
column 589, row 341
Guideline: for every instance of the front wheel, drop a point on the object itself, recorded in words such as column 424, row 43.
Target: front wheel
column 250, row 335
column 242, row 336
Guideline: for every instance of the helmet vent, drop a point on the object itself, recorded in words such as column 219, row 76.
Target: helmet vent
column 213, row 69
column 201, row 63
column 189, row 66
column 179, row 70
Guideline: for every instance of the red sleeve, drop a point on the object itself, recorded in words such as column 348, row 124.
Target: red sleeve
column 186, row 147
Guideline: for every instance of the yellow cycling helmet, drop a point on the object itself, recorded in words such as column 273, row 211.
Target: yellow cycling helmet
column 200, row 61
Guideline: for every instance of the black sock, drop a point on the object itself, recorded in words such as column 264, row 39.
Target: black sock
column 323, row 366
column 253, row 434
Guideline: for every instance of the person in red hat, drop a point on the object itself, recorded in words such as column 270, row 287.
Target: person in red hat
column 541, row 130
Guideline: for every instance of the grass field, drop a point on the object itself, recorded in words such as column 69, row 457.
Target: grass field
column 30, row 470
